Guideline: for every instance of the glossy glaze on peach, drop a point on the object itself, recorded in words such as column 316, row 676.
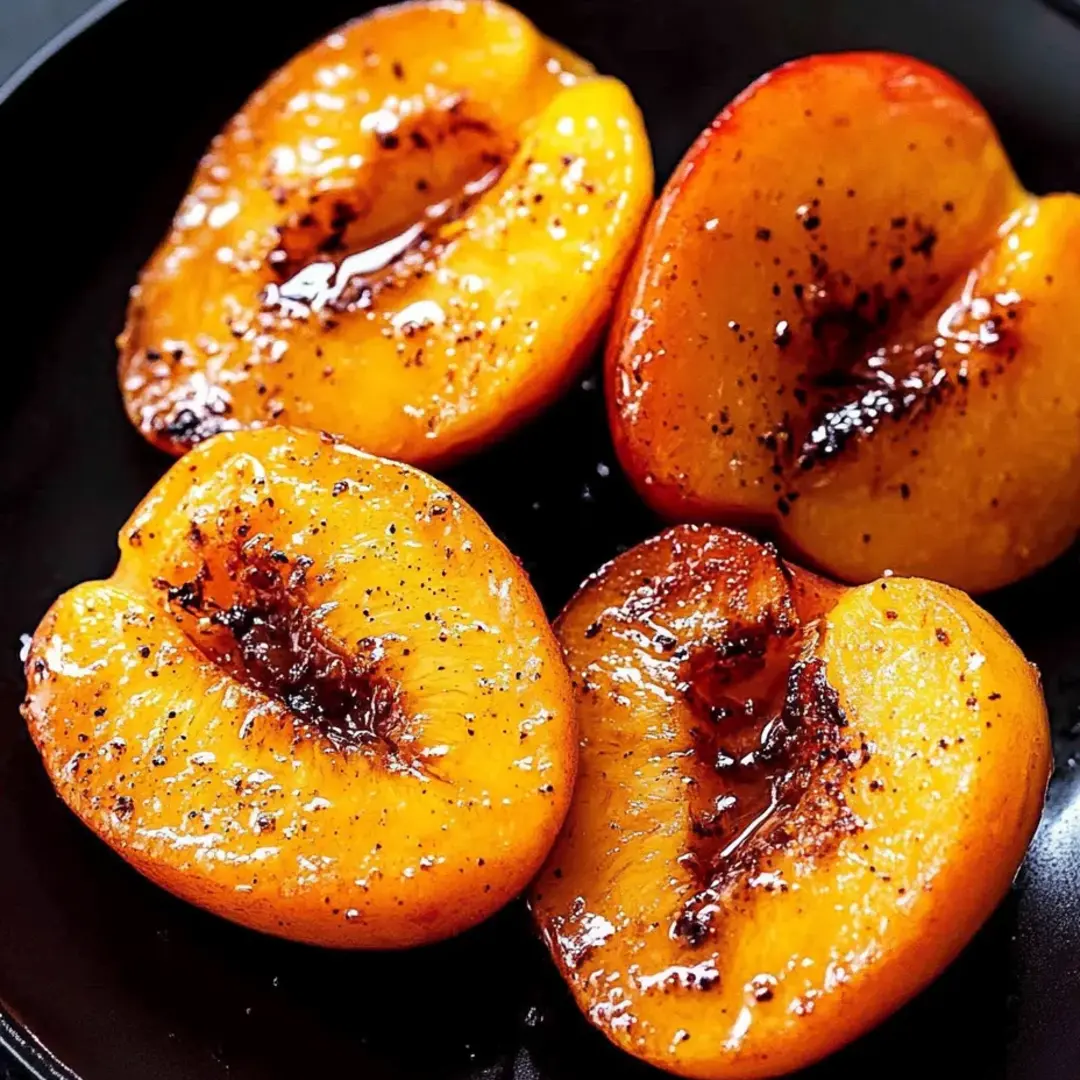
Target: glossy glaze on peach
column 411, row 236
column 849, row 321
column 317, row 697
column 796, row 801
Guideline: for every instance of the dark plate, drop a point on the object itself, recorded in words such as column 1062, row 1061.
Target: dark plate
column 116, row 978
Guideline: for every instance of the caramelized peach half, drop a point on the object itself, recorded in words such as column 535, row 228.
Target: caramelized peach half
column 796, row 801
column 849, row 321
column 411, row 236
column 317, row 697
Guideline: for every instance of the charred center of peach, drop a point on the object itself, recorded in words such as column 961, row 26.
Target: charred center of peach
column 886, row 350
column 261, row 629
column 975, row 338
column 770, row 751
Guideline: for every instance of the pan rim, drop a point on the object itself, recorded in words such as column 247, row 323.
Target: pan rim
column 22, row 1048
column 46, row 52
column 17, row 1043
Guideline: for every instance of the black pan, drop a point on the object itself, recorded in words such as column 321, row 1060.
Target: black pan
column 118, row 980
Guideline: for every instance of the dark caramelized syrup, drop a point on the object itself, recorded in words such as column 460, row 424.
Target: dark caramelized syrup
column 270, row 638
column 869, row 354
column 767, row 724
column 329, row 258
column 902, row 380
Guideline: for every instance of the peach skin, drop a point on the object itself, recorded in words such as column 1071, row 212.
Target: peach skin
column 411, row 236
column 317, row 697
column 797, row 801
column 850, row 323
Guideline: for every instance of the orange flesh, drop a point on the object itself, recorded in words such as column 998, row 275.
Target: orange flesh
column 317, row 697
column 410, row 235
column 796, row 801
column 848, row 319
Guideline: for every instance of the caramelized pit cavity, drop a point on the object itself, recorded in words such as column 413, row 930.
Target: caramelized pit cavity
column 268, row 636
column 769, row 748
column 337, row 250
column 866, row 361
column 975, row 337
column 759, row 745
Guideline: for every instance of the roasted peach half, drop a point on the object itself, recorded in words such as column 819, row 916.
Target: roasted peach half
column 796, row 801
column 850, row 322
column 317, row 697
column 411, row 236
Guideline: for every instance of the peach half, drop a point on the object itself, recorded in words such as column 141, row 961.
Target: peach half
column 317, row 697
column 411, row 236
column 797, row 801
column 849, row 322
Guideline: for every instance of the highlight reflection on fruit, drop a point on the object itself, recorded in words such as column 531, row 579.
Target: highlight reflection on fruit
column 411, row 236
column 796, row 801
column 317, row 697
column 849, row 320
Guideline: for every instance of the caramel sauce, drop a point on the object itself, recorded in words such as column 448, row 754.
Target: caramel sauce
column 767, row 725
column 906, row 380
column 270, row 638
column 720, row 640
column 874, row 352
column 332, row 258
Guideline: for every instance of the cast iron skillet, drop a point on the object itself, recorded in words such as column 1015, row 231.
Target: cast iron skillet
column 116, row 978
